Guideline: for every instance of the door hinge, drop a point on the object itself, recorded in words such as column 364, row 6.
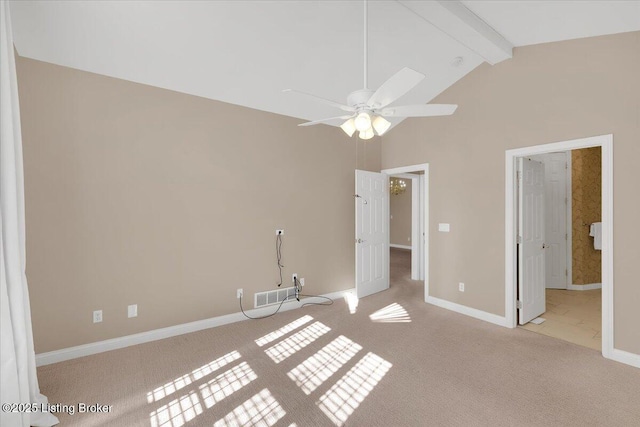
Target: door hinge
column 566, row 165
column 519, row 239
column 566, row 236
column 566, row 201
column 518, row 175
column 566, row 273
column 518, row 304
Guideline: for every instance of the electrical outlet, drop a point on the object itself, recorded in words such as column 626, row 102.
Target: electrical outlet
column 294, row 276
column 97, row 316
column 239, row 293
column 461, row 287
column 132, row 310
column 279, row 232
column 301, row 281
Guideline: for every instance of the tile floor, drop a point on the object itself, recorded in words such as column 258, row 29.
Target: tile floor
column 574, row 316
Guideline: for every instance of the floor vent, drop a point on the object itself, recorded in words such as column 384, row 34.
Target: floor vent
column 276, row 296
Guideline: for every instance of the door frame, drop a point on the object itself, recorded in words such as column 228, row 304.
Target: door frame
column 606, row 144
column 423, row 212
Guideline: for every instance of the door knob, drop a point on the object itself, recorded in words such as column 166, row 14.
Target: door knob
column 360, row 240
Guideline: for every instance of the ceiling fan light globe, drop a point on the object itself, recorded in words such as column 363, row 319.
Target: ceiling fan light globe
column 366, row 134
column 381, row 125
column 349, row 127
column 363, row 122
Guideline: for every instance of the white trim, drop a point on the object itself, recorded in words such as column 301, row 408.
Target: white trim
column 415, row 228
column 425, row 206
column 421, row 223
column 608, row 343
column 587, row 287
column 625, row 357
column 404, row 176
column 171, row 331
column 391, row 245
column 468, row 311
column 606, row 144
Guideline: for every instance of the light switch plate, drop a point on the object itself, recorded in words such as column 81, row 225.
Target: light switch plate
column 132, row 310
column 445, row 228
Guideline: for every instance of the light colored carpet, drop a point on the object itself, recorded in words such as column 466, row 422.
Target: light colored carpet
column 332, row 367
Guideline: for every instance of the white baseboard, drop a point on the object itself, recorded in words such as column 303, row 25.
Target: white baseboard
column 587, row 287
column 171, row 331
column 391, row 245
column 468, row 311
column 625, row 357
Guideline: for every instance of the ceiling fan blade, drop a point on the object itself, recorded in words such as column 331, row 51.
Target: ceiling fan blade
column 323, row 100
column 329, row 120
column 423, row 110
column 396, row 86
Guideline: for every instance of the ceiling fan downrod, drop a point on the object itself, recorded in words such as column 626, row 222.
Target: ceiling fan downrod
column 366, row 33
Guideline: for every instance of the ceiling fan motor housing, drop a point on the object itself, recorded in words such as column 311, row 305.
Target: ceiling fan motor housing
column 358, row 99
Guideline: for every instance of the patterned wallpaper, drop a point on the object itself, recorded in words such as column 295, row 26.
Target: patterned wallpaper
column 586, row 195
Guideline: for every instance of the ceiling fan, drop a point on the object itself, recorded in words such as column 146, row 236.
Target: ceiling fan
column 366, row 109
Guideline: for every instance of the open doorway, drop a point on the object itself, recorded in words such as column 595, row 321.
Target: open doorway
column 408, row 201
column 559, row 259
column 404, row 200
column 570, row 220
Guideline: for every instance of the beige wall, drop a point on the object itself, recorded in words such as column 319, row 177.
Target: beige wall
column 139, row 195
column 546, row 93
column 400, row 223
column 586, row 208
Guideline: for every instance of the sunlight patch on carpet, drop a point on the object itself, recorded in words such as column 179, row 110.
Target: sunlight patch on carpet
column 391, row 314
column 346, row 395
column 261, row 410
column 352, row 302
column 272, row 336
column 296, row 342
column 183, row 381
column 182, row 410
column 314, row 371
column 226, row 384
column 177, row 412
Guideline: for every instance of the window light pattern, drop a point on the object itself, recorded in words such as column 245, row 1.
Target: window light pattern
column 341, row 400
column 352, row 301
column 177, row 412
column 391, row 314
column 283, row 331
column 297, row 341
column 314, row 371
column 262, row 410
column 185, row 380
column 226, row 384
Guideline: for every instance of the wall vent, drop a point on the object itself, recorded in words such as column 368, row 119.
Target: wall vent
column 276, row 296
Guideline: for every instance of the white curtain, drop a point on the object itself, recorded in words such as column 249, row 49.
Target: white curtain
column 18, row 370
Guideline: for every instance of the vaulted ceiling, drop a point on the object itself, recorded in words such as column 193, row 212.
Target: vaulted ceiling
column 247, row 52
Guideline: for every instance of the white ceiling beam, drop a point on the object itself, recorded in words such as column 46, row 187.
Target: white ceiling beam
column 456, row 20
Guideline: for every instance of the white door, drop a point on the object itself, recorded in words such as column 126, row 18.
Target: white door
column 556, row 233
column 531, row 252
column 372, row 232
